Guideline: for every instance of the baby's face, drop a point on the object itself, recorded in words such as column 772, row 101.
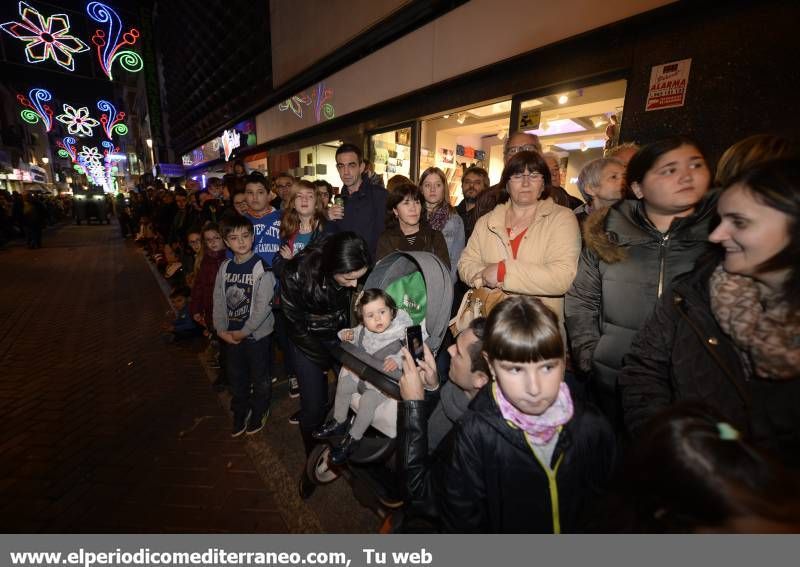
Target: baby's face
column 377, row 316
column 178, row 303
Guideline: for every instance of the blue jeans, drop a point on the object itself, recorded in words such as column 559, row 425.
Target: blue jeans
column 247, row 366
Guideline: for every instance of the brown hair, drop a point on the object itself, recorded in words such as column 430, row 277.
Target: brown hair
column 749, row 152
column 521, row 162
column 446, row 191
column 373, row 294
column 396, row 196
column 290, row 220
column 522, row 329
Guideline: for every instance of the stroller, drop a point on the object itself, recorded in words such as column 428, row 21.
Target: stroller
column 370, row 468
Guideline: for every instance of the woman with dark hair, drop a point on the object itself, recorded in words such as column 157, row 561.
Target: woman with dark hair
column 325, row 192
column 316, row 291
column 727, row 333
column 441, row 216
column 690, row 471
column 405, row 227
column 632, row 252
column 527, row 245
column 524, row 457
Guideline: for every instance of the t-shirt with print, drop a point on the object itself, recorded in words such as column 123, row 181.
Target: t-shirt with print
column 300, row 241
column 267, row 240
column 239, row 291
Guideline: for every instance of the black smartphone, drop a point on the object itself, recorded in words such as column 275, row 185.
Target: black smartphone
column 414, row 342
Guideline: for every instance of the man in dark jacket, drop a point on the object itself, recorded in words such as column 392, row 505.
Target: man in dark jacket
column 183, row 220
column 626, row 265
column 474, row 182
column 364, row 208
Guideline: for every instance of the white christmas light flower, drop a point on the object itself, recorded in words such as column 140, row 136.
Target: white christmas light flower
column 78, row 121
column 91, row 156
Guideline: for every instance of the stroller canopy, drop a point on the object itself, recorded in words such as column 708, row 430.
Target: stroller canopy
column 438, row 287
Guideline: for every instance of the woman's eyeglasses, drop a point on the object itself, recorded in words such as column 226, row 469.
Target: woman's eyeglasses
column 531, row 177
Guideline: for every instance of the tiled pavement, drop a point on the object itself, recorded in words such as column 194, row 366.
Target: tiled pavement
column 104, row 428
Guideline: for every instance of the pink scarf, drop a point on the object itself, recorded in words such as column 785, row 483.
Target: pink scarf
column 539, row 428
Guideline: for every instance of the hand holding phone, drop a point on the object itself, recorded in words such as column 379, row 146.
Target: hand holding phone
column 414, row 342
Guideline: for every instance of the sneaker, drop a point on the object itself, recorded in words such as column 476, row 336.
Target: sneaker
column 240, row 424
column 330, row 428
column 294, row 419
column 294, row 387
column 256, row 425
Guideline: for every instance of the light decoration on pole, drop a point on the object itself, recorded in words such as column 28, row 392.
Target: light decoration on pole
column 35, row 109
column 107, row 42
column 78, row 121
column 46, row 38
column 111, row 120
column 67, row 148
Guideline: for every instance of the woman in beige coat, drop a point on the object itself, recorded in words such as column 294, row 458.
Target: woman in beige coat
column 527, row 245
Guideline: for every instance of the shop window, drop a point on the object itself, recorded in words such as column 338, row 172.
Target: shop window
column 319, row 163
column 455, row 141
column 391, row 153
column 576, row 125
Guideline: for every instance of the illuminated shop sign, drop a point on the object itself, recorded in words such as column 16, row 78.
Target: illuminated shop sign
column 242, row 135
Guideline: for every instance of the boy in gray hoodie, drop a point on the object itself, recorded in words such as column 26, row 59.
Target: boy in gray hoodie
column 243, row 318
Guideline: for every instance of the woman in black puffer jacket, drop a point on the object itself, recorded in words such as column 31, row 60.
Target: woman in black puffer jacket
column 316, row 294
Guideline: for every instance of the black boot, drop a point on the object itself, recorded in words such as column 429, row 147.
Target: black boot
column 306, row 487
column 343, row 450
column 330, row 428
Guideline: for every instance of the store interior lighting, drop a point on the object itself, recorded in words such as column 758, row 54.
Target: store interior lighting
column 563, row 99
column 461, row 118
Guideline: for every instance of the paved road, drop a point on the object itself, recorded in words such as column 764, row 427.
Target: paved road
column 106, row 429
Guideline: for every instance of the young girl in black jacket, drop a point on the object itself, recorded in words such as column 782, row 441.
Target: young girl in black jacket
column 524, row 457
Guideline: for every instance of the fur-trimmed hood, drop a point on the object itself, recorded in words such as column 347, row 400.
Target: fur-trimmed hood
column 609, row 232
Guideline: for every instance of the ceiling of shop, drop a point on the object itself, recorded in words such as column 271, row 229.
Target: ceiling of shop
column 216, row 64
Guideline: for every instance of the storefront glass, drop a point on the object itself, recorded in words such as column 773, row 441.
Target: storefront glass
column 318, row 163
column 391, row 153
column 576, row 125
column 457, row 140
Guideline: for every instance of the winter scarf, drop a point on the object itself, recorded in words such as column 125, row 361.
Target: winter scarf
column 766, row 336
column 540, row 429
column 438, row 218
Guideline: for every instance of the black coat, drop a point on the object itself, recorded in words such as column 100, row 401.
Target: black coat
column 364, row 213
column 316, row 311
column 681, row 353
column 488, row 479
column 625, row 266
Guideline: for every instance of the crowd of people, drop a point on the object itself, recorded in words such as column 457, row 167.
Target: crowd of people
column 26, row 215
column 635, row 365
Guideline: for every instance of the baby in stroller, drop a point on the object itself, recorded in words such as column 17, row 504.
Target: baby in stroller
column 380, row 333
